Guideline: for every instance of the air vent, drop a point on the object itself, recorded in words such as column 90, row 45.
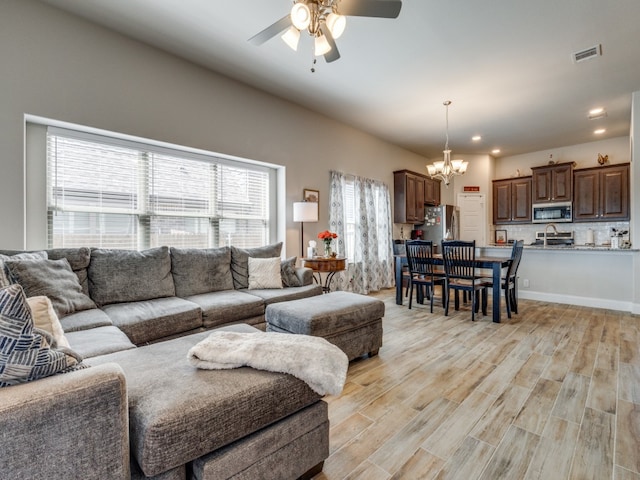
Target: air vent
column 587, row 54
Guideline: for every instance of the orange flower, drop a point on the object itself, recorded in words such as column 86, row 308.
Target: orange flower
column 327, row 235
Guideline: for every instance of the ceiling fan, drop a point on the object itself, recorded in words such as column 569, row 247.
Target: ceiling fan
column 325, row 21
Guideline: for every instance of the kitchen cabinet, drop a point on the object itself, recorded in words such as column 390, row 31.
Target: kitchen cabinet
column 512, row 200
column 553, row 183
column 431, row 191
column 408, row 197
column 601, row 193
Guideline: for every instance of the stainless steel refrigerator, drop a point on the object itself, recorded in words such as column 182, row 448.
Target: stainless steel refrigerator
column 439, row 223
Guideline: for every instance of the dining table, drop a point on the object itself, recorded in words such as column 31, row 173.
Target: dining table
column 496, row 264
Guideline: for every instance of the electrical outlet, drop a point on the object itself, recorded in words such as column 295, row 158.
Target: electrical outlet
column 525, row 283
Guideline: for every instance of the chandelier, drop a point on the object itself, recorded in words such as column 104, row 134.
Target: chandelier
column 447, row 168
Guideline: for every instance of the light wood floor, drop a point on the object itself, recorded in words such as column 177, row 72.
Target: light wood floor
column 553, row 393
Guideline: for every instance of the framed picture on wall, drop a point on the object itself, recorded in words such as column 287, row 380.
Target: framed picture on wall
column 311, row 195
column 501, row 236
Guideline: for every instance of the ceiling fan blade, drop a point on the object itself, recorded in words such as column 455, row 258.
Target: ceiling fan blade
column 271, row 31
column 370, row 8
column 333, row 54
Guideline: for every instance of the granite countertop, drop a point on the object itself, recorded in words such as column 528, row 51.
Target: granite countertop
column 597, row 248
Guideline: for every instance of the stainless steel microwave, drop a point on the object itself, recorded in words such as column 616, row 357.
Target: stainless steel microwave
column 552, row 212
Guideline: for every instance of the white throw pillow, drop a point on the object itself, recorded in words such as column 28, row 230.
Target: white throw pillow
column 264, row 273
column 45, row 318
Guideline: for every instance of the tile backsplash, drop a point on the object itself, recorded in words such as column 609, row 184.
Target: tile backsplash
column 601, row 231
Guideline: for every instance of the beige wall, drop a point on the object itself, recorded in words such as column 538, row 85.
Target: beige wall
column 585, row 155
column 58, row 66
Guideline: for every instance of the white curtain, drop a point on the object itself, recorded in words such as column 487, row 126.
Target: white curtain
column 360, row 213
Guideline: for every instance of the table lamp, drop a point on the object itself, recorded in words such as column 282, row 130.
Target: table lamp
column 304, row 212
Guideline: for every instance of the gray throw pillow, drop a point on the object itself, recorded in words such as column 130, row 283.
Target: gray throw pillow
column 78, row 259
column 240, row 261
column 27, row 353
column 118, row 276
column 53, row 279
column 201, row 270
column 288, row 273
column 5, row 281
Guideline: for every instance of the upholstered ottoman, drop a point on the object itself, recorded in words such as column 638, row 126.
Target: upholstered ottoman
column 350, row 321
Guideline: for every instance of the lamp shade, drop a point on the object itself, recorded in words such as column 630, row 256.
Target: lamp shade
column 305, row 212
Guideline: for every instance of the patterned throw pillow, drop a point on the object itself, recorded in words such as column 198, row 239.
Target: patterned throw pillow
column 288, row 273
column 26, row 353
column 264, row 273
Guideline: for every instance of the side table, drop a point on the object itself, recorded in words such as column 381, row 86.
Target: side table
column 320, row 265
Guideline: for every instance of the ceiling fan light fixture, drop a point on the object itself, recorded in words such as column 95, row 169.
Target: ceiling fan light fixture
column 292, row 37
column 336, row 24
column 321, row 45
column 300, row 16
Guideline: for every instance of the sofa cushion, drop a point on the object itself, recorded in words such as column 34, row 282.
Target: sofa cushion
column 118, row 276
column 288, row 273
column 99, row 341
column 228, row 306
column 85, row 320
column 150, row 320
column 53, row 279
column 171, row 426
column 78, row 259
column 26, row 353
column 198, row 270
column 264, row 273
column 45, row 318
column 5, row 281
column 270, row 296
column 240, row 261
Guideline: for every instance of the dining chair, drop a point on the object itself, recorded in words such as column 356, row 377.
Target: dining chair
column 399, row 248
column 421, row 270
column 509, row 283
column 459, row 259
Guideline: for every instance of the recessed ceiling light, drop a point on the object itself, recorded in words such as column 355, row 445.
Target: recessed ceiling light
column 596, row 113
column 600, row 131
column 495, row 151
column 476, row 138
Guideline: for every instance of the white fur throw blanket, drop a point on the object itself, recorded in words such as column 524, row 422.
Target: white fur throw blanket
column 320, row 364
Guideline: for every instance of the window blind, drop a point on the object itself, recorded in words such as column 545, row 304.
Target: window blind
column 114, row 193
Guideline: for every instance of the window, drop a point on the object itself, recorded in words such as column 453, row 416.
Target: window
column 114, row 193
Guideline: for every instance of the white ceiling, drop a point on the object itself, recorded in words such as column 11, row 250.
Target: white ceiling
column 506, row 65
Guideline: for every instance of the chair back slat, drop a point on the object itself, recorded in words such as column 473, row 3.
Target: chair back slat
column 420, row 257
column 459, row 259
column 516, row 255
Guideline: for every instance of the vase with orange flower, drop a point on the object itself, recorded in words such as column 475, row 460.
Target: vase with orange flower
column 327, row 237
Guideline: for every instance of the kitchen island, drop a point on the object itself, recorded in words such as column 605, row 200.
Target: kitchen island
column 593, row 276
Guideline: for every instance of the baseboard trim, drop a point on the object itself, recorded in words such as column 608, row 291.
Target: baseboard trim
column 581, row 301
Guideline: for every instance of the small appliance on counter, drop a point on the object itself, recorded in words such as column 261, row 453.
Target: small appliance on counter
column 558, row 239
column 440, row 223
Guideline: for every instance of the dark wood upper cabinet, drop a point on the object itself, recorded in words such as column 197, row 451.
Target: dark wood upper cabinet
column 553, row 183
column 431, row 191
column 512, row 200
column 601, row 193
column 411, row 192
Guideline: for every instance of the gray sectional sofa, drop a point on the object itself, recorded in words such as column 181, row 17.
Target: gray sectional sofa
column 140, row 410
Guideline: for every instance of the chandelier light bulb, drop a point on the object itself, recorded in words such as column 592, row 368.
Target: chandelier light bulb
column 300, row 16
column 336, row 24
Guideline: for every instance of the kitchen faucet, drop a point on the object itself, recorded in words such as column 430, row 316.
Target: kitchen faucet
column 546, row 228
